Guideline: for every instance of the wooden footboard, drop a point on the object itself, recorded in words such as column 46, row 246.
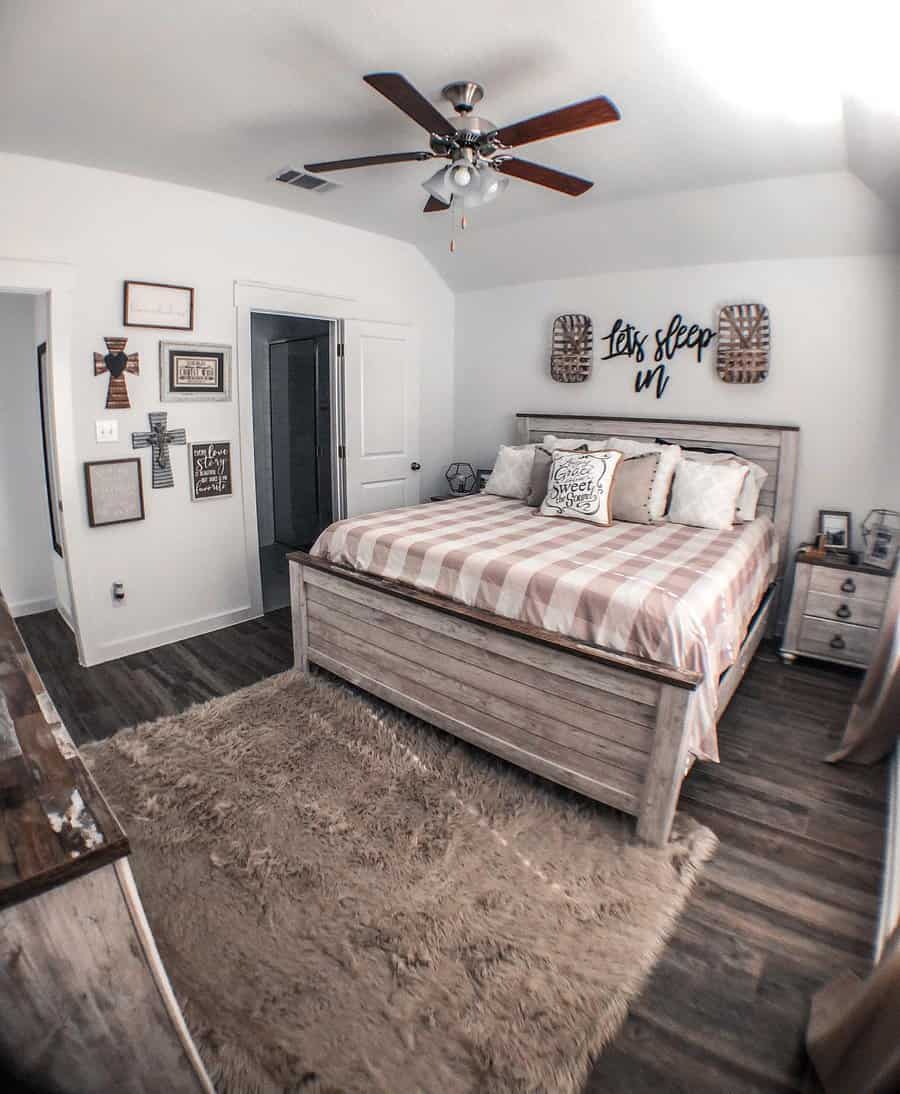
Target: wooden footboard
column 610, row 726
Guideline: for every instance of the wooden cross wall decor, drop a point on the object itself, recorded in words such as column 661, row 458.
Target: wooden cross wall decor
column 742, row 352
column 159, row 438
column 116, row 362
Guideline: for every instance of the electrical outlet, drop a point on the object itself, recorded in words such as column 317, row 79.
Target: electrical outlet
column 107, row 431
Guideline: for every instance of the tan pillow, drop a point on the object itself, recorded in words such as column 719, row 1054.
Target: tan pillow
column 633, row 488
column 540, row 472
column 670, row 456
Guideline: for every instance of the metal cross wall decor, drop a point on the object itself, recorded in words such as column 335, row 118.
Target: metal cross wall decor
column 116, row 362
column 159, row 438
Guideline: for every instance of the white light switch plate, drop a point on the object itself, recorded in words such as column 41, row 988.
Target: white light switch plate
column 107, row 431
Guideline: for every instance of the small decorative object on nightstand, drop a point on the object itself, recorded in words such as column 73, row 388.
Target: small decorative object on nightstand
column 836, row 610
column 460, row 478
column 881, row 535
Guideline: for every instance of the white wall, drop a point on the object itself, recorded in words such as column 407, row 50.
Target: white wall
column 184, row 567
column 26, row 552
column 833, row 371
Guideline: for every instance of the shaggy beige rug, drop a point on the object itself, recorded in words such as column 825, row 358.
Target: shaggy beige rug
column 347, row 900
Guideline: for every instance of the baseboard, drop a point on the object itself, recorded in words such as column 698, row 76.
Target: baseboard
column 149, row 640
column 65, row 617
column 32, row 607
column 889, row 915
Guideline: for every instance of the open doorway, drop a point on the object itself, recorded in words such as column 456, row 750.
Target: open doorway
column 294, row 440
column 32, row 572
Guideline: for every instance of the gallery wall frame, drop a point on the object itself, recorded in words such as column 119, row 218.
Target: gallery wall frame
column 115, row 491
column 194, row 372
column 211, row 472
column 156, row 306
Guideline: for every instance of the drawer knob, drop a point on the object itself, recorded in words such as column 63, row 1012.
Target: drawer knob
column 837, row 643
column 849, row 586
column 843, row 612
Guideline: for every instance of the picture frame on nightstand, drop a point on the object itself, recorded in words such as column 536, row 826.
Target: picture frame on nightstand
column 834, row 525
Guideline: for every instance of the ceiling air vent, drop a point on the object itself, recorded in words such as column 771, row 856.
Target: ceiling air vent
column 305, row 182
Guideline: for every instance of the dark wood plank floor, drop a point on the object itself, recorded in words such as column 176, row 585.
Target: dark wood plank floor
column 788, row 901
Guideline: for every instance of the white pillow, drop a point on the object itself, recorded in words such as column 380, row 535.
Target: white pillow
column 580, row 485
column 749, row 497
column 705, row 495
column 571, row 443
column 669, row 459
column 511, row 476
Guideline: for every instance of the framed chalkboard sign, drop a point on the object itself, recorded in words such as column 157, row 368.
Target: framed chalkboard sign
column 210, row 470
column 115, row 491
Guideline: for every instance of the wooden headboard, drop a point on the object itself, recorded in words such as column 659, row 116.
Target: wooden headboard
column 773, row 447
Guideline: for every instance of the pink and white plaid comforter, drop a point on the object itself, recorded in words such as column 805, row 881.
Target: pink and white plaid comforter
column 677, row 595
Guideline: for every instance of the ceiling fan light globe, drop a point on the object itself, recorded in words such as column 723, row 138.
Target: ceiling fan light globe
column 439, row 185
column 493, row 187
column 462, row 177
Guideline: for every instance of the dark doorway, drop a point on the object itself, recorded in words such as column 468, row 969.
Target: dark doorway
column 292, row 419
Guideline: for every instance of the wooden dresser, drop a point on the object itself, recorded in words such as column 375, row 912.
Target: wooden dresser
column 86, row 1002
column 835, row 612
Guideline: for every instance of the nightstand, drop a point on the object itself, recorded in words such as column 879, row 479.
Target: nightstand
column 835, row 612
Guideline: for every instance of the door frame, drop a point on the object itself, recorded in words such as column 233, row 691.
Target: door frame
column 56, row 281
column 256, row 297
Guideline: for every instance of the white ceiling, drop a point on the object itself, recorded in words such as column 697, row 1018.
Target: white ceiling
column 220, row 94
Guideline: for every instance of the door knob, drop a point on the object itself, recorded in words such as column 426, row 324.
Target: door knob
column 415, row 466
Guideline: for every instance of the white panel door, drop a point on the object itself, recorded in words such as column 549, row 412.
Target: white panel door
column 382, row 409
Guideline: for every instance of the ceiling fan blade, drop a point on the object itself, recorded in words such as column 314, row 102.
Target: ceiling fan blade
column 435, row 206
column 367, row 161
column 543, row 176
column 567, row 119
column 413, row 103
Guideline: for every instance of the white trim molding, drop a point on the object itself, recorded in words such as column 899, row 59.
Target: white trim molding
column 149, row 640
column 258, row 297
column 57, row 280
column 32, row 607
column 889, row 914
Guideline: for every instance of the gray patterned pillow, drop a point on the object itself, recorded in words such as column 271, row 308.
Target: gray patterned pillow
column 511, row 476
column 540, row 472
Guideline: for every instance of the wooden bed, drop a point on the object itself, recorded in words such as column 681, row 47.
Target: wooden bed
column 526, row 694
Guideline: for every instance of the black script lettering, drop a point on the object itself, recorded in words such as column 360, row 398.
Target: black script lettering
column 645, row 377
column 679, row 336
column 624, row 341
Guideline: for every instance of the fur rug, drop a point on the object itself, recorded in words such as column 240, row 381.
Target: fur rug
column 347, row 900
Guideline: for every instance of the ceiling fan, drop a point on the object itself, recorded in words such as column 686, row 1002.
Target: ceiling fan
column 478, row 151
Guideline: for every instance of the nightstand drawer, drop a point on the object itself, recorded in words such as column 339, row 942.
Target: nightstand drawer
column 837, row 641
column 843, row 583
column 845, row 609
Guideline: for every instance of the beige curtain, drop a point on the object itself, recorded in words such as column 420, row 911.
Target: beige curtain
column 853, row 1036
column 874, row 723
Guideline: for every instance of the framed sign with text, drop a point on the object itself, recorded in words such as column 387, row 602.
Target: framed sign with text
column 210, row 470
column 115, row 491
column 194, row 373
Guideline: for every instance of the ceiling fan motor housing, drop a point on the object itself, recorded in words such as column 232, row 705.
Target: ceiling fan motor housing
column 463, row 95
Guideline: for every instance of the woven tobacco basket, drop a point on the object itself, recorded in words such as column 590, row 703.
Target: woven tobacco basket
column 572, row 352
column 742, row 353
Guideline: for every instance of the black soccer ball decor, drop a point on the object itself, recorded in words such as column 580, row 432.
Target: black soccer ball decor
column 460, row 478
